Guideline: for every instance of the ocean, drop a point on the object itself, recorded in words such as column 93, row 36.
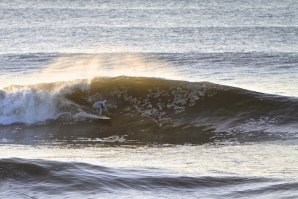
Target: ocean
column 202, row 96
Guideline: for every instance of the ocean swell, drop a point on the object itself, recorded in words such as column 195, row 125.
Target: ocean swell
column 43, row 178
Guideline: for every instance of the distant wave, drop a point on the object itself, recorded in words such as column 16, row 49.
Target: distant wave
column 150, row 109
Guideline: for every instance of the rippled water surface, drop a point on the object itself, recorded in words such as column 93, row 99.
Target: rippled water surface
column 202, row 96
column 208, row 171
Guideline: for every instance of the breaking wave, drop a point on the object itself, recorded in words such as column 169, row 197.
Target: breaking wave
column 151, row 109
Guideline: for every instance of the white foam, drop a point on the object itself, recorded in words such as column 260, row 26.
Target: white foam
column 36, row 103
column 82, row 116
column 27, row 106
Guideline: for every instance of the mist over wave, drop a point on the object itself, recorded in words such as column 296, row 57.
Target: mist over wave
column 147, row 99
column 70, row 67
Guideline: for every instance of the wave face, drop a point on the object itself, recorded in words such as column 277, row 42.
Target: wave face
column 150, row 109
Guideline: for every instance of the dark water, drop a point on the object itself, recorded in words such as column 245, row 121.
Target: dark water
column 202, row 97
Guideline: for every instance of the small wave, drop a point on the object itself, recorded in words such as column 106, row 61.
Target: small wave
column 151, row 109
column 41, row 177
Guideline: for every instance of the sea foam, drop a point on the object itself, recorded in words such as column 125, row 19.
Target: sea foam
column 27, row 106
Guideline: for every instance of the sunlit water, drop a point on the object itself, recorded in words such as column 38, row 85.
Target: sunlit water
column 251, row 45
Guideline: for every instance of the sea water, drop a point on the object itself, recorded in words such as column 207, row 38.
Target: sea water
column 202, row 96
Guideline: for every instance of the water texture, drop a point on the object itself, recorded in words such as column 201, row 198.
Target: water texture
column 202, row 97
